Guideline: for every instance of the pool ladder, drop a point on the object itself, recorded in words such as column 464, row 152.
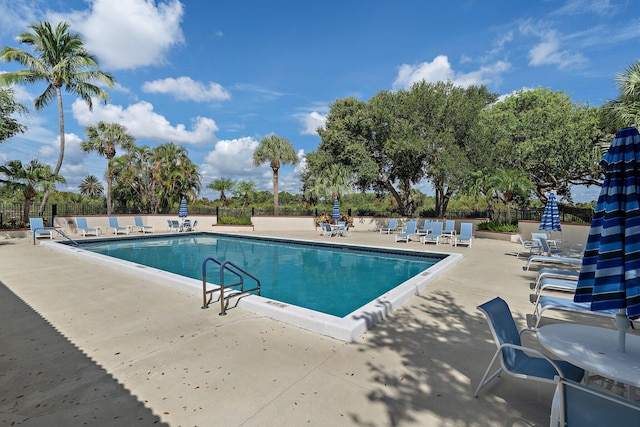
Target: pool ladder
column 238, row 287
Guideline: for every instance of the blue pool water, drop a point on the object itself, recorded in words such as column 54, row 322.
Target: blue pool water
column 335, row 280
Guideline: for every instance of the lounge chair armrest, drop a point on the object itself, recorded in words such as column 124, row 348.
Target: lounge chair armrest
column 531, row 330
column 535, row 352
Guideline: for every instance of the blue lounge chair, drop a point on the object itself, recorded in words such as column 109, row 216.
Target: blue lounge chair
column 554, row 273
column 327, row 230
column 393, row 226
column 549, row 302
column 36, row 226
column 576, row 404
column 449, row 228
column 174, row 225
column 410, row 231
column 466, row 235
column 139, row 224
column 435, row 236
column 82, row 227
column 113, row 224
column 426, row 227
column 515, row 359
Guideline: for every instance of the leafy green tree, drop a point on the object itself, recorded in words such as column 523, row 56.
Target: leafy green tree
column 625, row 109
column 245, row 189
column 277, row 151
column 397, row 139
column 9, row 126
column 103, row 138
column 28, row 179
column 544, row 134
column 222, row 185
column 91, row 186
column 59, row 59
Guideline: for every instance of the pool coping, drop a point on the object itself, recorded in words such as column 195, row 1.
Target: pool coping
column 347, row 328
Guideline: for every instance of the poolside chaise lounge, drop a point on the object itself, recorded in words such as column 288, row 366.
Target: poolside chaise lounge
column 113, row 224
column 515, row 359
column 82, row 227
column 327, row 230
column 548, row 302
column 140, row 225
column 36, row 226
column 466, row 235
column 393, row 226
column 556, row 274
column 426, row 227
column 552, row 256
column 409, row 231
column 449, row 228
column 435, row 235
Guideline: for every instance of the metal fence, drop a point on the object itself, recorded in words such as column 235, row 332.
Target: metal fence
column 11, row 214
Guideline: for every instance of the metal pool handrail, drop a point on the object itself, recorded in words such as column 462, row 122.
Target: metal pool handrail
column 233, row 269
column 60, row 232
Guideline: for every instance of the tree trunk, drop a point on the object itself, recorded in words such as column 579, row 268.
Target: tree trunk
column 275, row 192
column 47, row 193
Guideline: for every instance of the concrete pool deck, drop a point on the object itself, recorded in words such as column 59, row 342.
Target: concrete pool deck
column 84, row 344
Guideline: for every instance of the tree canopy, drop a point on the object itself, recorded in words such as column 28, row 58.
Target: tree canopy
column 9, row 125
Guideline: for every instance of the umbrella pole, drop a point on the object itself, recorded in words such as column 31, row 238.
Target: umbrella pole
column 622, row 323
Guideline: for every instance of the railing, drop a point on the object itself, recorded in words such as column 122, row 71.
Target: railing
column 60, row 232
column 233, row 269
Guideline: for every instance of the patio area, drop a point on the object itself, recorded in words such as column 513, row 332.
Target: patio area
column 84, row 343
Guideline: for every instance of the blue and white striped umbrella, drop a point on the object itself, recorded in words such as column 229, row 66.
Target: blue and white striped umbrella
column 182, row 210
column 336, row 210
column 550, row 217
column 610, row 273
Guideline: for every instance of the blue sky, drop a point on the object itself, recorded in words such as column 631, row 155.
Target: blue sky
column 218, row 76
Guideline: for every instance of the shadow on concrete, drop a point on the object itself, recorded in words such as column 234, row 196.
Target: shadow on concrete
column 46, row 380
column 444, row 357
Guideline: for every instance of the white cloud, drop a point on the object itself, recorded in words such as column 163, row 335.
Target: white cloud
column 128, row 34
column 143, row 123
column 311, row 122
column 548, row 52
column 232, row 158
column 440, row 70
column 187, row 89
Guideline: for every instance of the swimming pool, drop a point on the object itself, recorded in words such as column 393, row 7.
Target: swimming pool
column 338, row 290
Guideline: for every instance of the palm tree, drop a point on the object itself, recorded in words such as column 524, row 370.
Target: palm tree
column 59, row 59
column 91, row 186
column 331, row 183
column 277, row 151
column 244, row 189
column 103, row 138
column 625, row 109
column 27, row 179
column 222, row 185
column 509, row 184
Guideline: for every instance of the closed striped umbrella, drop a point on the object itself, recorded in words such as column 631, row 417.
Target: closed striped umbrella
column 182, row 210
column 610, row 273
column 550, row 217
column 336, row 210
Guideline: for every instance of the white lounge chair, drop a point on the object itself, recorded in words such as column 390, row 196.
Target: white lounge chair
column 82, row 227
column 556, row 274
column 113, row 224
column 393, row 226
column 140, row 225
column 552, row 256
column 410, row 231
column 174, row 225
column 449, row 228
column 528, row 245
column 466, row 235
column 426, row 227
column 36, row 226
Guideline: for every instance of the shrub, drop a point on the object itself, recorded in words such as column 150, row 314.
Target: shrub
column 495, row 226
column 232, row 220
